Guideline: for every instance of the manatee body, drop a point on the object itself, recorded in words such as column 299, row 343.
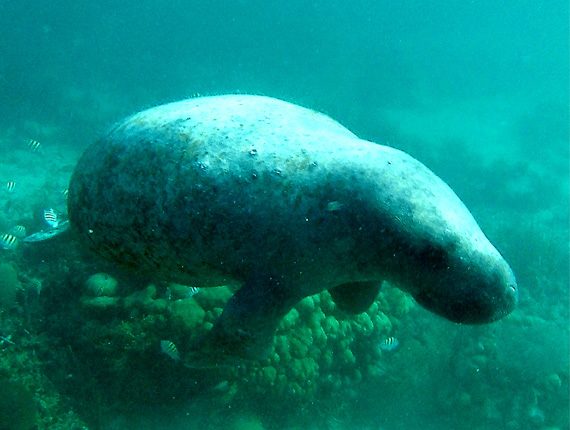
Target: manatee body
column 286, row 202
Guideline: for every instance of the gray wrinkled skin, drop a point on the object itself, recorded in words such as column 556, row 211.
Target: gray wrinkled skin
column 251, row 190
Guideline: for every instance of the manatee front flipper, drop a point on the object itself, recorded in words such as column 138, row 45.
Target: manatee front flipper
column 355, row 297
column 246, row 327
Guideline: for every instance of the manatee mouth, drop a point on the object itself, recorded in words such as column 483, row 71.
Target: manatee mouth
column 472, row 306
column 492, row 309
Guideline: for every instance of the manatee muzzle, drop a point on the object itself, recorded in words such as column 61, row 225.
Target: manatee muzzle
column 475, row 298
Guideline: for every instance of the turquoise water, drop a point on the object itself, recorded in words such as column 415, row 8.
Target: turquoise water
column 478, row 91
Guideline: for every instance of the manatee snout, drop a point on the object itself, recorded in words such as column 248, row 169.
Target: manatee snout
column 478, row 291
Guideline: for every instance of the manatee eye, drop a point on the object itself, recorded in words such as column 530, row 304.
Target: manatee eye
column 433, row 256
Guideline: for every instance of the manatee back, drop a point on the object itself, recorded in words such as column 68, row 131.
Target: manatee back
column 159, row 191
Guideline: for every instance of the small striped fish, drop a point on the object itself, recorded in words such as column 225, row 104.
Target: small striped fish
column 389, row 344
column 8, row 241
column 181, row 292
column 10, row 186
column 169, row 348
column 51, row 218
column 34, row 145
column 192, row 291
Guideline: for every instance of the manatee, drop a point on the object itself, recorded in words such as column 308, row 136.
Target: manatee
column 283, row 202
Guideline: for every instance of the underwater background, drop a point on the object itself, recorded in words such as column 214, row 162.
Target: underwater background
column 476, row 90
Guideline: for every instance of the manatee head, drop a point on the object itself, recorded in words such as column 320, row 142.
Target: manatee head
column 443, row 258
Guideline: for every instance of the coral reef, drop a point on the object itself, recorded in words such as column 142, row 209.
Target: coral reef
column 318, row 349
column 28, row 399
